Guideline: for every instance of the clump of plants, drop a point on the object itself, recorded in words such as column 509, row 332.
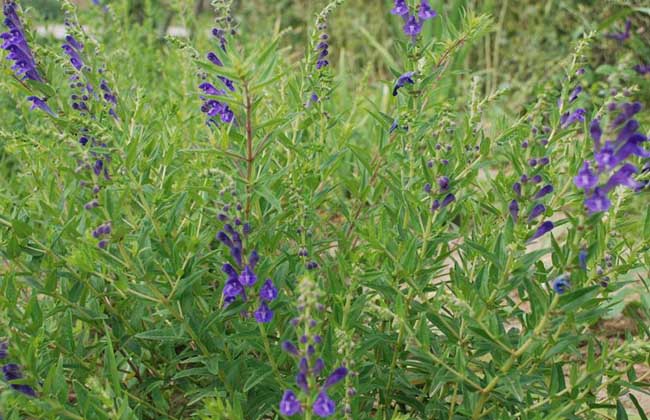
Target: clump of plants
column 233, row 226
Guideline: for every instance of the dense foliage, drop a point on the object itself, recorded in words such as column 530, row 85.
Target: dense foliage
column 305, row 209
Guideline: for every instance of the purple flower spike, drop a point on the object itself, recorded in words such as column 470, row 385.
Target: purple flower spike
column 247, row 277
column 537, row 211
column 426, row 12
column 268, row 291
column 289, row 405
column 324, row 406
column 598, row 201
column 542, row 230
column 412, row 27
column 514, row 210
column 544, row 191
column 337, row 376
column 400, row 9
column 403, row 80
column 263, row 314
column 585, row 179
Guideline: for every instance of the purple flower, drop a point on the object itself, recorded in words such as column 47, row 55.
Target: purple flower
column 426, row 12
column 3, row 349
column 301, row 381
column 516, row 187
column 233, row 288
column 596, row 132
column 324, row 406
column 412, row 27
column 15, row 44
column 598, row 201
column 538, row 210
column 449, row 198
column 229, row 83
column 337, row 376
column 572, row 117
column 321, row 63
column 514, row 210
column 268, row 291
column 247, row 277
column 621, row 36
column 72, row 50
column 214, row 59
column 406, row 78
column 319, row 365
column 575, row 93
column 289, row 405
column 12, row 372
column 560, row 285
column 209, row 89
column 289, row 347
column 585, row 179
column 623, row 177
column 545, row 190
column 642, row 69
column 40, row 104
column 400, row 9
column 542, row 230
column 582, row 258
column 263, row 314
column 443, row 183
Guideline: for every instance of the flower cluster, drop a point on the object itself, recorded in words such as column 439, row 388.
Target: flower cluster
column 12, row 372
column 571, row 117
column 532, row 188
column 218, row 112
column 444, row 196
column 413, row 22
column 310, row 367
column 322, row 49
column 89, row 101
column 610, row 168
column 15, row 44
column 642, row 69
column 241, row 275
